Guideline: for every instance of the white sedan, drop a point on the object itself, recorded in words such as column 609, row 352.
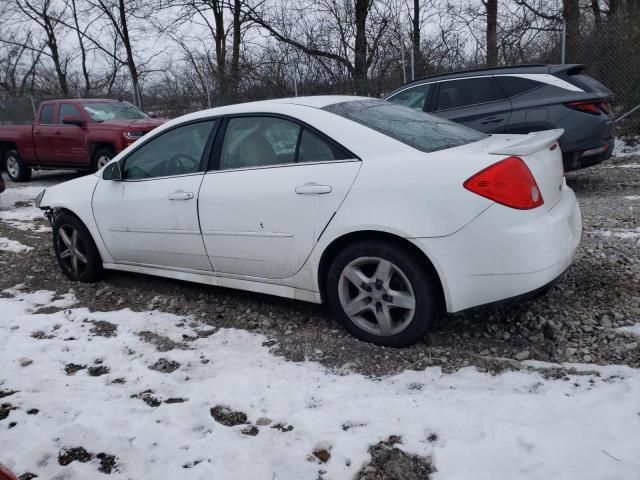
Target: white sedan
column 390, row 215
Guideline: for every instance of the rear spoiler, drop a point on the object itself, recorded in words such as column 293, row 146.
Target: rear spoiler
column 531, row 144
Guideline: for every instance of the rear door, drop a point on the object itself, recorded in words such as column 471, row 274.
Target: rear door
column 71, row 146
column 275, row 187
column 476, row 102
column 45, row 134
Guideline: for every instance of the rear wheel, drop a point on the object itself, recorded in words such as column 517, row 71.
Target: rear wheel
column 382, row 294
column 101, row 157
column 75, row 250
column 16, row 168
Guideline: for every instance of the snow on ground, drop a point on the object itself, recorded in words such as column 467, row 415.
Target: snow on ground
column 515, row 425
column 633, row 330
column 623, row 233
column 628, row 148
column 8, row 245
column 17, row 208
column 632, row 197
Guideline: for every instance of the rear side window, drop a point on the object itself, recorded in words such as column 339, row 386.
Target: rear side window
column 413, row 97
column 587, row 83
column 467, row 91
column 46, row 114
column 513, row 86
column 68, row 110
column 419, row 130
column 315, row 149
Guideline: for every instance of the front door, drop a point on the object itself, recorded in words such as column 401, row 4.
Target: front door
column 277, row 187
column 151, row 217
column 71, row 145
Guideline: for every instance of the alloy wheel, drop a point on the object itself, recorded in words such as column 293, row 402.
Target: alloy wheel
column 102, row 161
column 71, row 249
column 13, row 168
column 376, row 296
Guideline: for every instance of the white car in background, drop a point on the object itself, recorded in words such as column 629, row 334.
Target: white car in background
column 388, row 214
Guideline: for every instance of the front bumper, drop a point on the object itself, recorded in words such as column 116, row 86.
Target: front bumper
column 505, row 253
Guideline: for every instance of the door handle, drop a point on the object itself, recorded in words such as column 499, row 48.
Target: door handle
column 492, row 120
column 313, row 188
column 58, row 132
column 180, row 195
column 37, row 132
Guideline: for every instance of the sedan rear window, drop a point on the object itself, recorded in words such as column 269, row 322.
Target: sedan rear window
column 417, row 129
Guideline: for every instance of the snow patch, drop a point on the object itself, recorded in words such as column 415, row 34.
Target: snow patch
column 8, row 245
column 17, row 208
column 628, row 148
column 620, row 233
column 514, row 425
column 632, row 197
column 633, row 329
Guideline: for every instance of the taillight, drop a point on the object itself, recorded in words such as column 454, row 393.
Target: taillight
column 508, row 182
column 590, row 106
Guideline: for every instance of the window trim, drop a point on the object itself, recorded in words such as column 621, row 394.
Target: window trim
column 204, row 158
column 216, row 154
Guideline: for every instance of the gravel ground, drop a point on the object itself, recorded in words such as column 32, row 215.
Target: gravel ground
column 576, row 321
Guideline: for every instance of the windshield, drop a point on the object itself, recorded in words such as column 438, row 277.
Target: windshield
column 100, row 112
column 414, row 128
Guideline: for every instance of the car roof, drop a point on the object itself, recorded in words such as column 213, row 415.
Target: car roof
column 501, row 70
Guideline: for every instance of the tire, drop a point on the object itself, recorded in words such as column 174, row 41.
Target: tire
column 16, row 168
column 101, row 157
column 76, row 252
column 393, row 309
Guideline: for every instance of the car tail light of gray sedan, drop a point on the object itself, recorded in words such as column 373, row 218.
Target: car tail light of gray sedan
column 389, row 215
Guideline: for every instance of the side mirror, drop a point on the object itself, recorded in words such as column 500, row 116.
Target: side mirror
column 72, row 120
column 112, row 172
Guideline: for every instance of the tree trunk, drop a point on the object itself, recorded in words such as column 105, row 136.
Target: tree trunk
column 571, row 14
column 360, row 50
column 415, row 40
column 235, row 50
column 491, row 7
column 83, row 52
column 131, row 63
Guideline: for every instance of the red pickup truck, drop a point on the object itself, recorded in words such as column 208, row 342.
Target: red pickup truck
column 79, row 134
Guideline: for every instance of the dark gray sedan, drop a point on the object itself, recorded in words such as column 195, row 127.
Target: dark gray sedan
column 523, row 99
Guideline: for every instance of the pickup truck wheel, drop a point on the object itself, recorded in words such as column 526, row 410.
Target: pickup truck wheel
column 16, row 169
column 102, row 157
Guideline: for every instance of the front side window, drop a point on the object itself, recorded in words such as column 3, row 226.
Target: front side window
column 468, row 91
column 68, row 110
column 102, row 111
column 46, row 114
column 419, row 130
column 413, row 97
column 176, row 152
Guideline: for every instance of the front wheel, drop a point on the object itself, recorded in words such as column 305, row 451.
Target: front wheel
column 16, row 168
column 75, row 250
column 382, row 293
column 101, row 158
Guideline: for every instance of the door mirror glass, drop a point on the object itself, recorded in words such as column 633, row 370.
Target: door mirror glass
column 72, row 120
column 112, row 172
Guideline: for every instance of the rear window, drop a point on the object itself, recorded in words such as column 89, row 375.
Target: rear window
column 419, row 130
column 587, row 83
column 46, row 114
column 513, row 86
column 467, row 91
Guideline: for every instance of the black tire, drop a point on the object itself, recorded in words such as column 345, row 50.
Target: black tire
column 90, row 271
column 406, row 267
column 15, row 167
column 98, row 157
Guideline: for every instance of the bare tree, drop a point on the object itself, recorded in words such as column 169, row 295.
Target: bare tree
column 491, row 9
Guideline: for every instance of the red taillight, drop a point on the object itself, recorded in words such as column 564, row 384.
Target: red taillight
column 590, row 106
column 508, row 182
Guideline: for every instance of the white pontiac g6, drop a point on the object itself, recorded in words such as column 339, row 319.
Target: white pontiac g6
column 390, row 215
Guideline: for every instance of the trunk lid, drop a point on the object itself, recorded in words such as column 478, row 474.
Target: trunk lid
column 542, row 154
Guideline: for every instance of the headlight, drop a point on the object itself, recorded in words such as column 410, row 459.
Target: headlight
column 39, row 197
column 133, row 135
